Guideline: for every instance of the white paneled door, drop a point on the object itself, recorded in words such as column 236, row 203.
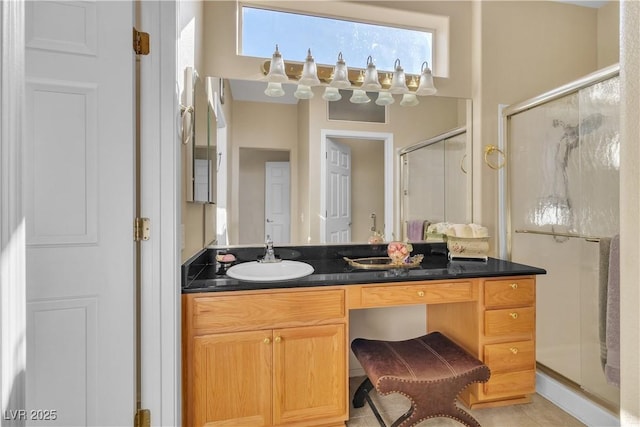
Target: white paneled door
column 79, row 209
column 277, row 206
column 338, row 215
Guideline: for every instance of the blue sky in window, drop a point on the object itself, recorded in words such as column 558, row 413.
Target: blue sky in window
column 295, row 33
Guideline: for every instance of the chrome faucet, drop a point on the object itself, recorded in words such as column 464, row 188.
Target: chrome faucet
column 269, row 254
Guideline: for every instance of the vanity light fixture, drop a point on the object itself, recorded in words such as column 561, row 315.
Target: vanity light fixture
column 409, row 100
column 276, row 70
column 274, row 89
column 371, row 77
column 385, row 98
column 359, row 96
column 426, row 86
column 303, row 92
column 340, row 77
column 331, row 94
column 360, row 81
column 309, row 72
column 399, row 81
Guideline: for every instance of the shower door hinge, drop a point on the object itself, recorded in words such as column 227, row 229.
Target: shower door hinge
column 141, row 229
column 140, row 42
column 142, row 418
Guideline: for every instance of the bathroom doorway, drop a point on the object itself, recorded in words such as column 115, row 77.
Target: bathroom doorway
column 371, row 183
column 252, row 181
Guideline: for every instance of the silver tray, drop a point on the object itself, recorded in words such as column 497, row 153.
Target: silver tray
column 383, row 263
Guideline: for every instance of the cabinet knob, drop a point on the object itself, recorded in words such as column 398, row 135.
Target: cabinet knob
column 514, row 350
column 278, row 338
column 514, row 286
column 513, row 315
column 420, row 293
column 267, row 340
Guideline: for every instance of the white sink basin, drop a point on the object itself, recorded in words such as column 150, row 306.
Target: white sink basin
column 269, row 271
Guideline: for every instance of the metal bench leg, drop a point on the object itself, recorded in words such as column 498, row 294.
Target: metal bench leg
column 361, row 394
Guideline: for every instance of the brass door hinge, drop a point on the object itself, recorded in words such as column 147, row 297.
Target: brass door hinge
column 142, row 418
column 141, row 229
column 140, row 42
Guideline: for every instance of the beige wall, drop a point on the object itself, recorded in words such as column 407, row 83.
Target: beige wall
column 609, row 34
column 264, row 126
column 524, row 48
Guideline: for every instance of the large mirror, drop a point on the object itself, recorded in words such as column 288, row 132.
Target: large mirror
column 276, row 165
column 199, row 139
column 261, row 139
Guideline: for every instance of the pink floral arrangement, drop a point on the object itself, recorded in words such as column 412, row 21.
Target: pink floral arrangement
column 399, row 252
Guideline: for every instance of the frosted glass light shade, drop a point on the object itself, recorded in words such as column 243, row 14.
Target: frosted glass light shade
column 409, row 100
column 426, row 86
column 385, row 98
column 331, row 94
column 359, row 97
column 371, row 77
column 303, row 92
column 398, row 82
column 274, row 89
column 309, row 72
column 276, row 69
column 340, row 74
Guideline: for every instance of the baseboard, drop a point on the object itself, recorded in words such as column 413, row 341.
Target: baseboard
column 356, row 372
column 573, row 403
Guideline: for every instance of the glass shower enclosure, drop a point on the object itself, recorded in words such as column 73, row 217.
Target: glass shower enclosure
column 436, row 180
column 561, row 210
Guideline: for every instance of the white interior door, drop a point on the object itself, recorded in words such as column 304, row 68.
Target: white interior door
column 79, row 209
column 338, row 215
column 277, row 205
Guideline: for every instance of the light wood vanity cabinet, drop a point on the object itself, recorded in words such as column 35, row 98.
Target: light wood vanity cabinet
column 265, row 358
column 500, row 330
column 279, row 357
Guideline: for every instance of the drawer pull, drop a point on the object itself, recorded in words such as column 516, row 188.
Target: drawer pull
column 420, row 293
column 278, row 338
column 514, row 286
column 514, row 350
column 267, row 340
column 513, row 315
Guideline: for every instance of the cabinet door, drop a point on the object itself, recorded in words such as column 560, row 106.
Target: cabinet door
column 309, row 373
column 232, row 379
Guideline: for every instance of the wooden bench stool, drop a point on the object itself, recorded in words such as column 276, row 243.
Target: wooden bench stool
column 430, row 370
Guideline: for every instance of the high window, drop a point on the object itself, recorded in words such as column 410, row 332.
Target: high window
column 296, row 32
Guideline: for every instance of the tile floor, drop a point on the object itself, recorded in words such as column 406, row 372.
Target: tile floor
column 539, row 413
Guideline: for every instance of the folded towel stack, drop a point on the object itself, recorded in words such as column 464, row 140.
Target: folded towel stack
column 458, row 230
column 438, row 228
column 467, row 241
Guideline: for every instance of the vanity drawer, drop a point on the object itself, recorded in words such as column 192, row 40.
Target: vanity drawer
column 511, row 356
column 510, row 384
column 509, row 293
column 268, row 310
column 423, row 293
column 509, row 321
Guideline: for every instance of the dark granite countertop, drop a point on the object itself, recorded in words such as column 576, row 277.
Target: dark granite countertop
column 201, row 273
